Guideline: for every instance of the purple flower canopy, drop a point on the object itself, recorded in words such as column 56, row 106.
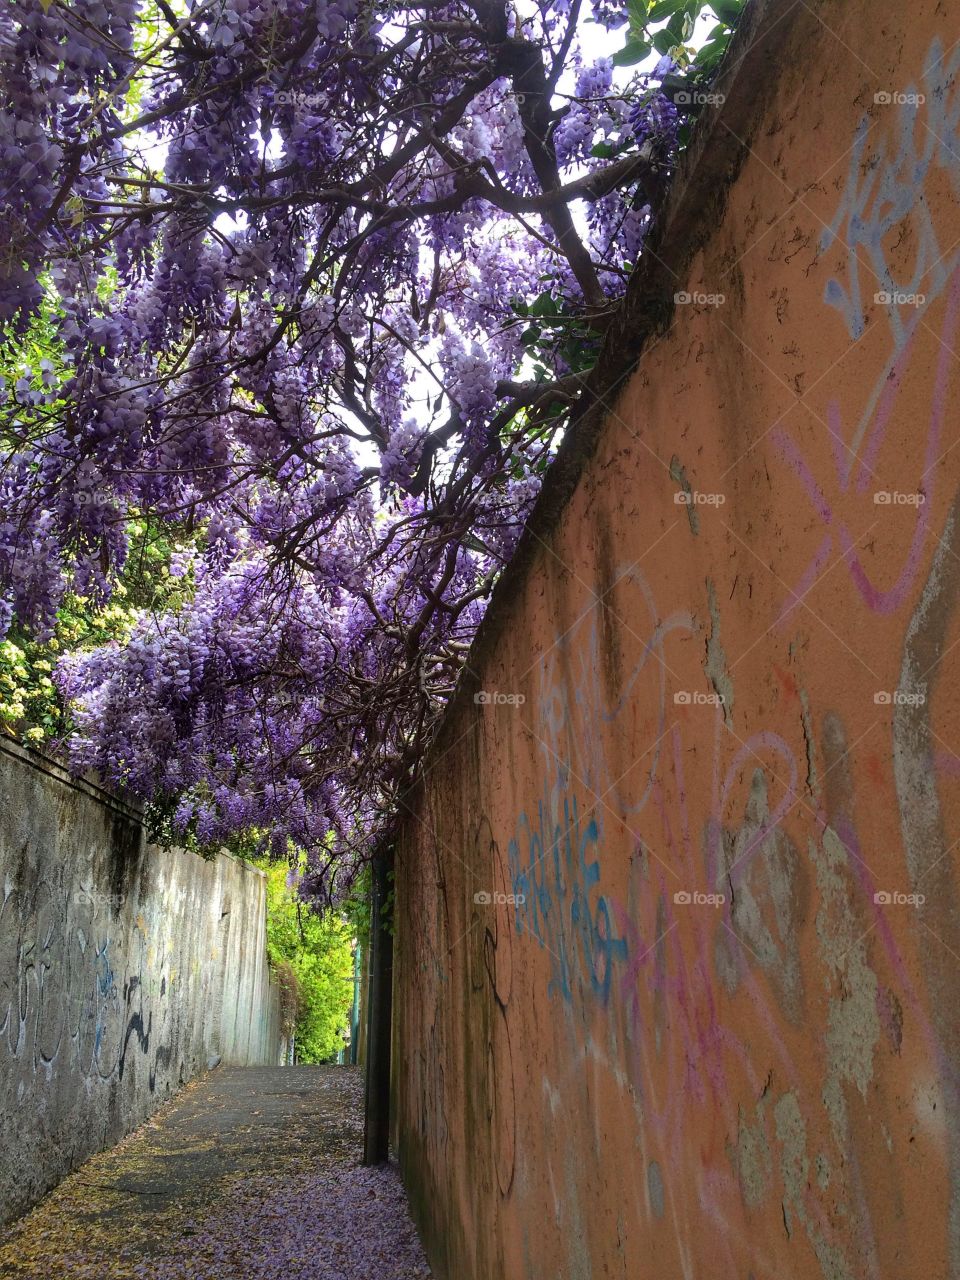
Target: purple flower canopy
column 315, row 286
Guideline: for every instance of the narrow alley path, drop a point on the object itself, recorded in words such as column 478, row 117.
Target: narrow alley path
column 251, row 1173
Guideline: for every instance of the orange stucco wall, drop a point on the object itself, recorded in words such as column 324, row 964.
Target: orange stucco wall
column 718, row 1037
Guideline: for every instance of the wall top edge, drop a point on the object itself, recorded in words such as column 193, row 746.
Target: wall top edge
column 90, row 786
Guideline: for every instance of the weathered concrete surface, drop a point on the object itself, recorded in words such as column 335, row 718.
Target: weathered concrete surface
column 124, row 970
column 249, row 1174
column 719, row 1034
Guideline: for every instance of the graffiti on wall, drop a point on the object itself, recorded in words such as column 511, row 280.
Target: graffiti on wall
column 63, row 1006
column 641, row 985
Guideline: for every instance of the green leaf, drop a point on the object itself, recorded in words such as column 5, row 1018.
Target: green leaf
column 728, row 10
column 663, row 9
column 710, row 54
column 544, row 305
column 633, row 51
column 664, row 41
column 603, row 150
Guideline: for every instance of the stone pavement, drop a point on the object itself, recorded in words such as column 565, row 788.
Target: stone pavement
column 247, row 1173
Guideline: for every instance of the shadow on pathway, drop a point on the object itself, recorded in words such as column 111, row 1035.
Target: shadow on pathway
column 248, row 1173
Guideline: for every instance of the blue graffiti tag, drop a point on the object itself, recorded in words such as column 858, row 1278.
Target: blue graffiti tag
column 554, row 868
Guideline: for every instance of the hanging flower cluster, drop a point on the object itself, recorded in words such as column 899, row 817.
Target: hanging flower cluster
column 307, row 273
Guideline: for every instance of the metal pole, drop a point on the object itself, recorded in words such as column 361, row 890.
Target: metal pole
column 355, row 1011
column 376, row 1135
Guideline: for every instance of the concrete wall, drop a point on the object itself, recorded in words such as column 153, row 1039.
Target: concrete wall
column 720, row 1034
column 124, row 970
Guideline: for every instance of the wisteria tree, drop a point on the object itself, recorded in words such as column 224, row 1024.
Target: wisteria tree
column 309, row 287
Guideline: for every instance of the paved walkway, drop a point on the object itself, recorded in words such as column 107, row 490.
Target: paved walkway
column 249, row 1173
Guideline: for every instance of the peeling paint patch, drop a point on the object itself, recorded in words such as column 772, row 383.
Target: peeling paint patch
column 927, row 846
column 795, row 1172
column 754, row 1162
column 768, row 883
column 679, row 476
column 853, row 1024
column 716, row 664
column 655, row 1189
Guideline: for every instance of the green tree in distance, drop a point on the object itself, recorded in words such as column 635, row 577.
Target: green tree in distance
column 312, row 955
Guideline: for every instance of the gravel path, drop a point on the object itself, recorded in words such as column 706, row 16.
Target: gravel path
column 248, row 1173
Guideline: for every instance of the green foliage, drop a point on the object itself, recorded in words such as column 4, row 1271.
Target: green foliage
column 556, row 328
column 666, row 26
column 312, row 956
column 357, row 907
column 36, row 358
column 30, row 704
